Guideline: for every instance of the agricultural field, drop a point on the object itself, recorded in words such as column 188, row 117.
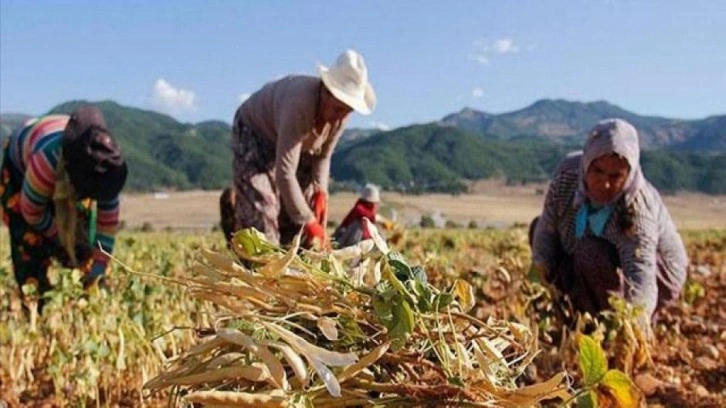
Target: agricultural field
column 491, row 204
column 100, row 348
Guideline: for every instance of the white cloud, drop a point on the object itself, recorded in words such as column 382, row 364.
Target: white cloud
column 169, row 99
column 380, row 126
column 477, row 93
column 483, row 49
column 244, row 96
column 505, row 46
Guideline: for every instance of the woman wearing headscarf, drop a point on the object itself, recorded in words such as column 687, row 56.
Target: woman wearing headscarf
column 604, row 229
column 352, row 229
column 61, row 177
column 283, row 138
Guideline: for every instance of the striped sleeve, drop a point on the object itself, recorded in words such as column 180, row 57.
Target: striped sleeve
column 107, row 224
column 38, row 189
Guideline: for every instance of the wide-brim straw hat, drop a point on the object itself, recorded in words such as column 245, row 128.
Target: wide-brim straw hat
column 347, row 80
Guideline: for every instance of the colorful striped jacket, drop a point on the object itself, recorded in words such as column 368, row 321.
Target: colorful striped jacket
column 35, row 150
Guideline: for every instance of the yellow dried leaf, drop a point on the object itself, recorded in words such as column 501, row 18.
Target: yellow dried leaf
column 370, row 358
column 465, row 293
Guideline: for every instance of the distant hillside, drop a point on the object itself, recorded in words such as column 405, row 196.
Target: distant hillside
column 519, row 147
column 352, row 135
column 436, row 158
column 565, row 122
column 163, row 153
column 433, row 157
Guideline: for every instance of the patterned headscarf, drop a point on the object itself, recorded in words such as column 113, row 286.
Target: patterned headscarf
column 607, row 137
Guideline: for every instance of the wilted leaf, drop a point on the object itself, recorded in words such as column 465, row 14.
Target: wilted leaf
column 376, row 236
column 620, row 387
column 327, row 326
column 592, row 360
column 331, row 383
column 465, row 293
column 364, row 362
column 278, row 266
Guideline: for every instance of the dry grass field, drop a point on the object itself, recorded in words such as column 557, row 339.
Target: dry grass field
column 491, row 205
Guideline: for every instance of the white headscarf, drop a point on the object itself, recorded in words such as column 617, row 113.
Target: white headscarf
column 607, row 137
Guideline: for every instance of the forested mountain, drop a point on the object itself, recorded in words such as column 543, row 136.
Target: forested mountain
column 433, row 157
column 518, row 147
column 164, row 153
column 561, row 121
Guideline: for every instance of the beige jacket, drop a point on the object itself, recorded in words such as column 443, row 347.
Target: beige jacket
column 284, row 112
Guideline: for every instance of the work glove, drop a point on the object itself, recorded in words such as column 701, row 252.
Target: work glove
column 314, row 235
column 320, row 206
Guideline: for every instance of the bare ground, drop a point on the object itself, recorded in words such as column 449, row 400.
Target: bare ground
column 492, row 205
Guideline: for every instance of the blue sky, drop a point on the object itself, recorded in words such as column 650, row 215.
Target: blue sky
column 197, row 59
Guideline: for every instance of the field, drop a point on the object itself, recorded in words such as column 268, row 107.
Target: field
column 491, row 205
column 100, row 348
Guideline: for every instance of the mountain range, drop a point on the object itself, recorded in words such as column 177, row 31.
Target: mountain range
column 565, row 122
column 518, row 147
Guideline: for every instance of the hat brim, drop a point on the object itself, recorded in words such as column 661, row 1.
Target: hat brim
column 364, row 105
column 105, row 188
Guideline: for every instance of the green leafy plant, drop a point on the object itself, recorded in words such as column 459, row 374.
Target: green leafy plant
column 602, row 386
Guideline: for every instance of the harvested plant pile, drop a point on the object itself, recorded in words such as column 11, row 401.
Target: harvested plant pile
column 357, row 326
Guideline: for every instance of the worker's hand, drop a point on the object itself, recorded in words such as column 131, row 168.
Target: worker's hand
column 95, row 273
column 314, row 235
column 319, row 206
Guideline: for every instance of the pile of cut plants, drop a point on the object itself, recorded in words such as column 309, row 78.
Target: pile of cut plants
column 358, row 326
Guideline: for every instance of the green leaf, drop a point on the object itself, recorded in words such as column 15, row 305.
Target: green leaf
column 425, row 296
column 621, row 388
column 442, row 300
column 592, row 360
column 253, row 242
column 402, row 271
column 587, row 400
column 402, row 324
column 382, row 307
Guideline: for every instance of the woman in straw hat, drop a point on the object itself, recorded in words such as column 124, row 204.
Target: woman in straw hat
column 59, row 172
column 283, row 138
column 605, row 230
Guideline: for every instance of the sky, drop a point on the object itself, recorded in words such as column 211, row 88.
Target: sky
column 198, row 60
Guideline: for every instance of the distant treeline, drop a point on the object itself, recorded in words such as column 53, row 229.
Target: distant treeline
column 432, row 158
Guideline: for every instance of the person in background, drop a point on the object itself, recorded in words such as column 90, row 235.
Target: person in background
column 352, row 229
column 605, row 231
column 61, row 179
column 283, row 138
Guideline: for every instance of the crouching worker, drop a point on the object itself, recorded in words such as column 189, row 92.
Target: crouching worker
column 352, row 229
column 605, row 230
column 61, row 177
column 283, row 138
